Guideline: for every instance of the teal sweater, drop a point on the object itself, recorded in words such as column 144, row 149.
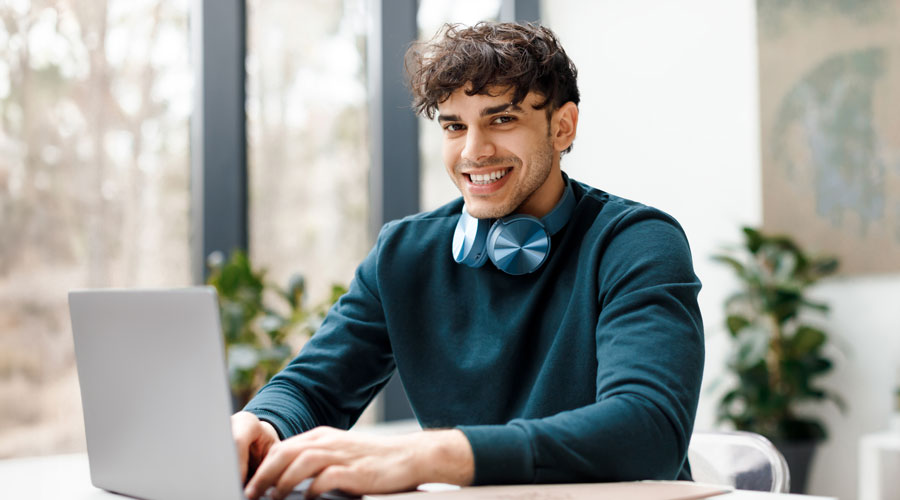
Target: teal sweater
column 586, row 370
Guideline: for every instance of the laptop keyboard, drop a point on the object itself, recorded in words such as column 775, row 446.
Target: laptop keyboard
column 299, row 493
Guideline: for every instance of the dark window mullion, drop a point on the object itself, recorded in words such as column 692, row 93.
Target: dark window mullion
column 394, row 174
column 218, row 131
column 520, row 10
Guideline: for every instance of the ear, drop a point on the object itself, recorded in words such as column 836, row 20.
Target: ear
column 563, row 124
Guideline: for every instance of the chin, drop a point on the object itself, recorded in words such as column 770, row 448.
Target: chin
column 486, row 211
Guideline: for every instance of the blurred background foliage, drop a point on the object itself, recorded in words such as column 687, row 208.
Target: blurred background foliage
column 95, row 101
column 779, row 353
column 264, row 324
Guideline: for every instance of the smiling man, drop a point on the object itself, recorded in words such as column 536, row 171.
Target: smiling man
column 574, row 355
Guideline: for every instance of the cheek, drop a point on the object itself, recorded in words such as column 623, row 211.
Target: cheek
column 521, row 149
column 451, row 154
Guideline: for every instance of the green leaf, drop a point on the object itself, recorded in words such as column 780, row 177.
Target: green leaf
column 295, row 290
column 271, row 323
column 736, row 323
column 825, row 266
column 806, row 340
column 729, row 396
column 819, row 306
column 785, row 244
column 337, row 291
column 752, row 345
column 753, row 238
column 738, row 299
column 785, row 266
column 837, row 400
column 783, row 305
column 730, row 261
column 820, row 366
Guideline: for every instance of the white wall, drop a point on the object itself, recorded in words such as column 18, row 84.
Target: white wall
column 670, row 117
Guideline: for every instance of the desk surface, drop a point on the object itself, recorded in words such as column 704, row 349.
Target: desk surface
column 68, row 476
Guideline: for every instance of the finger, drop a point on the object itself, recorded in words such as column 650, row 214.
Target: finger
column 265, row 471
column 280, row 455
column 306, row 465
column 265, row 437
column 242, row 434
column 257, row 454
column 335, row 477
column 243, row 459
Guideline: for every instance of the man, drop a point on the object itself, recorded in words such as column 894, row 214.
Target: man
column 575, row 355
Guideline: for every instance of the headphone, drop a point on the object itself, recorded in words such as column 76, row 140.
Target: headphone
column 516, row 244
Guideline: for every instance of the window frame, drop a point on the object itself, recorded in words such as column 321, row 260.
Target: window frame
column 219, row 178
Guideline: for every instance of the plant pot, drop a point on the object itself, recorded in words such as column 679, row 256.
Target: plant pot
column 799, row 456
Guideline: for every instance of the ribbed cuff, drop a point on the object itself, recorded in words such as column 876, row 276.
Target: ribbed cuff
column 281, row 426
column 502, row 454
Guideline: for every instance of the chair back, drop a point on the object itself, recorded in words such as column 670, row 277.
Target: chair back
column 743, row 460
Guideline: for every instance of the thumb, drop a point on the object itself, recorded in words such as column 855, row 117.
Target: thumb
column 245, row 429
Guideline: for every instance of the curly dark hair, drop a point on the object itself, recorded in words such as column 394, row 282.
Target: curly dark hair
column 491, row 56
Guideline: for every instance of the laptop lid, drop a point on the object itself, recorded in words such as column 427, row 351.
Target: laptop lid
column 155, row 394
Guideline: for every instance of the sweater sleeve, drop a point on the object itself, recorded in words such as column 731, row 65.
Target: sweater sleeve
column 649, row 347
column 339, row 370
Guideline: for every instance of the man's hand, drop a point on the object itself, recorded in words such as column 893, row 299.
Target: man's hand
column 254, row 438
column 359, row 464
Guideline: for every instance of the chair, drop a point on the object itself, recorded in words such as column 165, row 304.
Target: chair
column 744, row 460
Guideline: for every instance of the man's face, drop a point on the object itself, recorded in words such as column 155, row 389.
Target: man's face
column 500, row 155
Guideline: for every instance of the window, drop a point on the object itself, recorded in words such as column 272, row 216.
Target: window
column 95, row 99
column 308, row 140
column 436, row 188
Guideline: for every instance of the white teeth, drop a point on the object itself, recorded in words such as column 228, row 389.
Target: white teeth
column 488, row 178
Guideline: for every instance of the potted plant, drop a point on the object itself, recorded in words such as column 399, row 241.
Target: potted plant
column 778, row 354
column 264, row 325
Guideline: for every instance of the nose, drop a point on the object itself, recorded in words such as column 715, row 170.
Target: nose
column 478, row 146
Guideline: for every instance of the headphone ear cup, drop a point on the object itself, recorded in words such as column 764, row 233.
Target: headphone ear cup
column 469, row 239
column 518, row 244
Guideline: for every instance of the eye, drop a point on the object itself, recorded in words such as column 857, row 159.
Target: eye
column 454, row 127
column 503, row 119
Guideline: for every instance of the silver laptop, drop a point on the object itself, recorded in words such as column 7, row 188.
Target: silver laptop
column 155, row 394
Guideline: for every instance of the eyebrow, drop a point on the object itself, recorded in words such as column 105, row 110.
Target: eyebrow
column 502, row 107
column 484, row 112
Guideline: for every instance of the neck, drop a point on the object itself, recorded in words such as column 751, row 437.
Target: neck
column 542, row 201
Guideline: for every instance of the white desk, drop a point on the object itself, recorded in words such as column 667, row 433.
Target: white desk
column 68, row 477
column 56, row 476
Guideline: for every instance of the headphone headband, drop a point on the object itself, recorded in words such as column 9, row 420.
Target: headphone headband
column 562, row 212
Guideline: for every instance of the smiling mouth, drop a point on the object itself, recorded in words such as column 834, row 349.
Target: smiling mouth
column 489, row 178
